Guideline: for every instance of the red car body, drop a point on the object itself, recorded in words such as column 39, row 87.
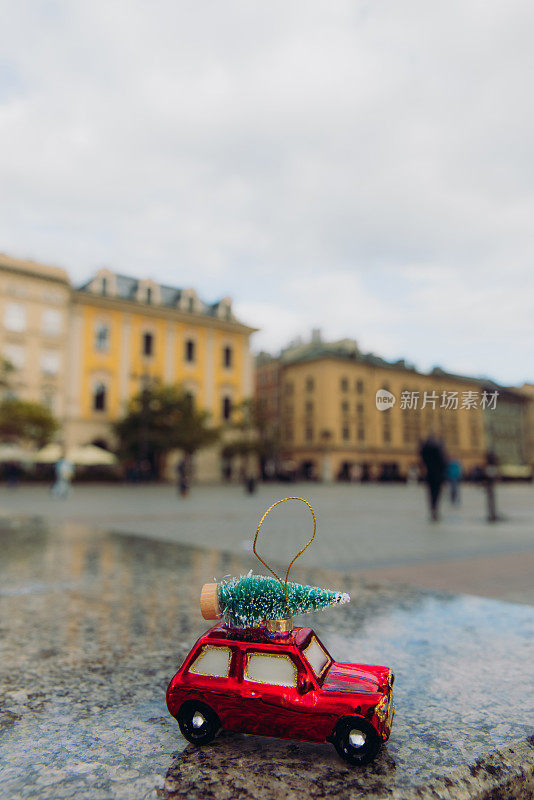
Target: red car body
column 309, row 710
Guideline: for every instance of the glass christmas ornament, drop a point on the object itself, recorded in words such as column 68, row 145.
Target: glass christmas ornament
column 254, row 672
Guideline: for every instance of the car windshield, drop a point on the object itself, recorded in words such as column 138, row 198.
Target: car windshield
column 317, row 657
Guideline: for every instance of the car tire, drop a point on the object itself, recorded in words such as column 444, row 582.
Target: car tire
column 356, row 741
column 198, row 722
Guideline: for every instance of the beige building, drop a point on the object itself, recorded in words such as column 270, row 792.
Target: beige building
column 331, row 427
column 84, row 353
column 34, row 324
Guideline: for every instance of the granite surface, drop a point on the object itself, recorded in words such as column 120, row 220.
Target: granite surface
column 94, row 624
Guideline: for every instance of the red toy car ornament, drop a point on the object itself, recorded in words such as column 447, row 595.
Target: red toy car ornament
column 286, row 686
column 253, row 672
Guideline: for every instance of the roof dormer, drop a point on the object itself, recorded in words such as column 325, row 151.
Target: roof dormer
column 149, row 292
column 223, row 309
column 104, row 283
column 190, row 302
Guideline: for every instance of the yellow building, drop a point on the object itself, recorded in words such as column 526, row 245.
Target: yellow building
column 34, row 318
column 330, row 423
column 125, row 333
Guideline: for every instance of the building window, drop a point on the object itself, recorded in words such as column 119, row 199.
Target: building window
column 359, row 386
column 148, row 344
column 308, row 433
column 149, row 295
column 15, row 317
column 226, row 407
column 344, row 383
column 49, row 400
column 99, row 397
column 345, row 433
column 104, row 285
column 310, row 383
column 288, row 388
column 227, row 356
column 191, row 304
column 361, row 434
column 15, row 354
column 51, row 321
column 387, row 435
column 102, row 336
column 190, row 350
column 359, row 408
column 50, row 362
column 309, row 406
column 345, row 407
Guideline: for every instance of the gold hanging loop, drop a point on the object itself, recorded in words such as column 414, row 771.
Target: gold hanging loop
column 284, row 585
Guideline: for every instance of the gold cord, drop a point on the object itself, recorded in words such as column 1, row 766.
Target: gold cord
column 284, row 586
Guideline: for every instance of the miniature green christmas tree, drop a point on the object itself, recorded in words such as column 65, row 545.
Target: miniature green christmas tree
column 251, row 600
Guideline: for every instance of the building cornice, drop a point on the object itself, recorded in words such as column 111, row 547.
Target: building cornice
column 362, row 362
column 84, row 298
column 28, row 272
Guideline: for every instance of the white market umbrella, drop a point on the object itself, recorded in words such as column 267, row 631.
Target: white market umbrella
column 49, row 454
column 14, row 452
column 89, row 455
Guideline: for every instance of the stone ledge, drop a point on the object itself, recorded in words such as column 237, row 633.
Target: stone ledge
column 255, row 768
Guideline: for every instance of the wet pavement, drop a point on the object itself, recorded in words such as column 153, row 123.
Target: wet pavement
column 94, row 624
column 378, row 529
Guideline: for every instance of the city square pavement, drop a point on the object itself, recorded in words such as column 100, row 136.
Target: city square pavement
column 382, row 531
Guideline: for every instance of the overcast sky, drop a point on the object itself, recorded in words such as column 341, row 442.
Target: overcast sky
column 362, row 167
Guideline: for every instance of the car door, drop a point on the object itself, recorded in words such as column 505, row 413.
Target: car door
column 210, row 678
column 273, row 701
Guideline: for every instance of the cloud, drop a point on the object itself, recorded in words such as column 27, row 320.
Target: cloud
column 360, row 167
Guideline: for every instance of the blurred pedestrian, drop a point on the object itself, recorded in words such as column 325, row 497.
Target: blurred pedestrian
column 454, row 476
column 182, row 477
column 412, row 476
column 491, row 473
column 433, row 457
column 12, row 472
column 64, row 471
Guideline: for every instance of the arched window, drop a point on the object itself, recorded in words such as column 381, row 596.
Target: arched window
column 190, row 350
column 227, row 356
column 102, row 337
column 226, row 407
column 147, row 343
column 99, row 396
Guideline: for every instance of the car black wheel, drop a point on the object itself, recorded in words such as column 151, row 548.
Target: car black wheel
column 198, row 722
column 356, row 741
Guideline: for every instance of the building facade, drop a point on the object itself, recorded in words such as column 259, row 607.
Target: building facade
column 34, row 322
column 126, row 333
column 333, row 426
column 85, row 352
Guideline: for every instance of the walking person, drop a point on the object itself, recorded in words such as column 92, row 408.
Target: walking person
column 454, row 476
column 433, row 457
column 64, row 471
column 182, row 475
column 491, row 474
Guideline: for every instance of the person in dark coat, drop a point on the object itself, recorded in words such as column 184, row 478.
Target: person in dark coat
column 434, row 459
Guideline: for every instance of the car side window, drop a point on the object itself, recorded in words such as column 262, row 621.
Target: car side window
column 275, row 669
column 212, row 661
column 316, row 657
